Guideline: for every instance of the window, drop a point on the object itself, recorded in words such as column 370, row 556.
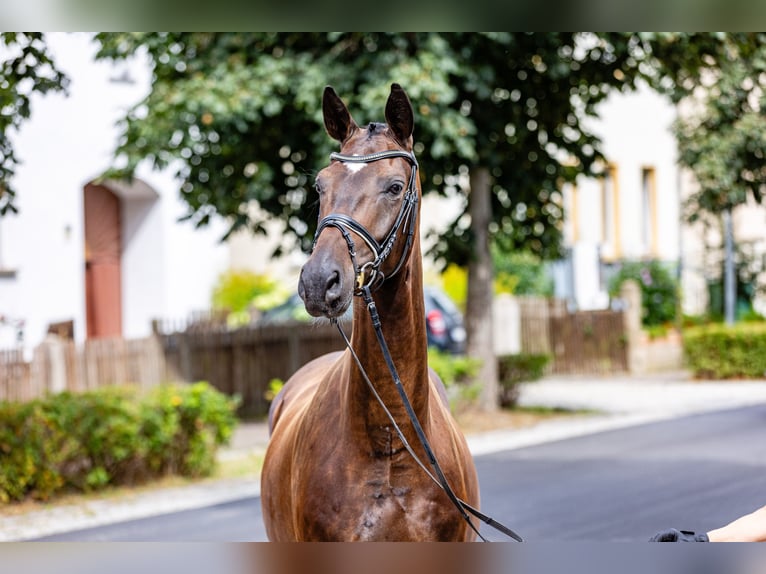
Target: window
column 572, row 206
column 610, row 209
column 648, row 211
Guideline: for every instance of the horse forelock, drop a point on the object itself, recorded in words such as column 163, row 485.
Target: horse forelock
column 375, row 127
column 375, row 137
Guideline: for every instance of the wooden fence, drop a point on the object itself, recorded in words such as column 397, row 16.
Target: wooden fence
column 579, row 342
column 589, row 342
column 15, row 375
column 244, row 361
column 61, row 365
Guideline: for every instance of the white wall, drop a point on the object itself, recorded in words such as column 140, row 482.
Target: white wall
column 168, row 267
column 194, row 258
column 636, row 132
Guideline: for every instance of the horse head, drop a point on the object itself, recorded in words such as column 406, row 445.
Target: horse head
column 367, row 205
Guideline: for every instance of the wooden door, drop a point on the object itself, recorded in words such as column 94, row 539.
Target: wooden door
column 103, row 257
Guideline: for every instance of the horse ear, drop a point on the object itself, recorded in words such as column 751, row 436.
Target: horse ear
column 399, row 116
column 337, row 120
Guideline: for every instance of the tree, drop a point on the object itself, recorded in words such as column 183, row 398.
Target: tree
column 722, row 139
column 26, row 68
column 498, row 119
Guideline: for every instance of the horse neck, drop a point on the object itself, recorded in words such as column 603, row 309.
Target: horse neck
column 399, row 302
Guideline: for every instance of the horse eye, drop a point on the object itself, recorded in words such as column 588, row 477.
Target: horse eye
column 395, row 188
column 318, row 188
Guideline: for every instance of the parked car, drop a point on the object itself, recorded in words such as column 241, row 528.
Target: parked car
column 444, row 322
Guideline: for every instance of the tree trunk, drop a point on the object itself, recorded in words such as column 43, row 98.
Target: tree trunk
column 480, row 289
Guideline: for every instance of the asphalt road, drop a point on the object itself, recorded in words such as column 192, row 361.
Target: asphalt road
column 695, row 472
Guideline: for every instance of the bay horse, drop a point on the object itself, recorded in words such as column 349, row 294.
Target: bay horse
column 336, row 468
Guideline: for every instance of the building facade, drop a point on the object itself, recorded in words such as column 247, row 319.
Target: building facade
column 108, row 256
column 631, row 211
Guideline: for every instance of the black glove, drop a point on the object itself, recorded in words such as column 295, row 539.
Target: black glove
column 673, row 535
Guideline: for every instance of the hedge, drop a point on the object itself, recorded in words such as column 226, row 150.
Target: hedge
column 515, row 369
column 721, row 352
column 456, row 371
column 112, row 436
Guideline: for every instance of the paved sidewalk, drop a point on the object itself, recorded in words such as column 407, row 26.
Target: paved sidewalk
column 616, row 401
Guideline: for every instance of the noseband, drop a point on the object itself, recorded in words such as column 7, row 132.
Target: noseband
column 369, row 274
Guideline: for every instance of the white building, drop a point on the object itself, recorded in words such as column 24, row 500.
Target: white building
column 632, row 212
column 110, row 257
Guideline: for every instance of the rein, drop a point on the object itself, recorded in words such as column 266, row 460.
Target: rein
column 380, row 252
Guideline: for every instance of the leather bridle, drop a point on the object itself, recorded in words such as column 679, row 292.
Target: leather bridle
column 363, row 287
column 370, row 274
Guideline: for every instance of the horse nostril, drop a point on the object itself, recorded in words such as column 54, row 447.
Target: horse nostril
column 332, row 287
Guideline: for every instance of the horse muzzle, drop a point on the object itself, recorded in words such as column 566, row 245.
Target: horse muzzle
column 326, row 286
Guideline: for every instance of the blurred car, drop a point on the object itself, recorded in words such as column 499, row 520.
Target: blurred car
column 444, row 322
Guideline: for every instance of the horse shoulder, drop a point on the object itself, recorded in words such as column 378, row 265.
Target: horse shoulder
column 441, row 389
column 300, row 387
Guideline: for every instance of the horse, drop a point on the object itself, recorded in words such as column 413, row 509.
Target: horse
column 336, row 467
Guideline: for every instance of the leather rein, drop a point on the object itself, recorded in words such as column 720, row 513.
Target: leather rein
column 369, row 277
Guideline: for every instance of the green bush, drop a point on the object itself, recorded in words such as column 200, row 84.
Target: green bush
column 721, row 352
column 515, row 369
column 452, row 369
column 237, row 291
column 520, row 273
column 658, row 289
column 112, row 436
column 457, row 373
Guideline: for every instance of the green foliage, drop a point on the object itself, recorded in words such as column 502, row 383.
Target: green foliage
column 113, row 436
column 454, row 280
column 238, row 290
column 720, row 352
column 26, row 68
column 515, row 369
column 452, row 369
column 457, row 372
column 749, row 269
column 241, row 113
column 723, row 139
column 275, row 385
column 520, row 273
column 659, row 289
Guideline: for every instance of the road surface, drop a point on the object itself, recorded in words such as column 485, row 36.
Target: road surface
column 696, row 472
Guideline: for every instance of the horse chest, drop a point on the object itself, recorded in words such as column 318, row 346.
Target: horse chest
column 382, row 497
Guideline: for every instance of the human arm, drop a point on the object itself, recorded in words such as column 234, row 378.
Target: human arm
column 748, row 528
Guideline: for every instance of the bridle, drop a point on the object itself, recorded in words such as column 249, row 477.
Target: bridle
column 363, row 287
column 370, row 274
